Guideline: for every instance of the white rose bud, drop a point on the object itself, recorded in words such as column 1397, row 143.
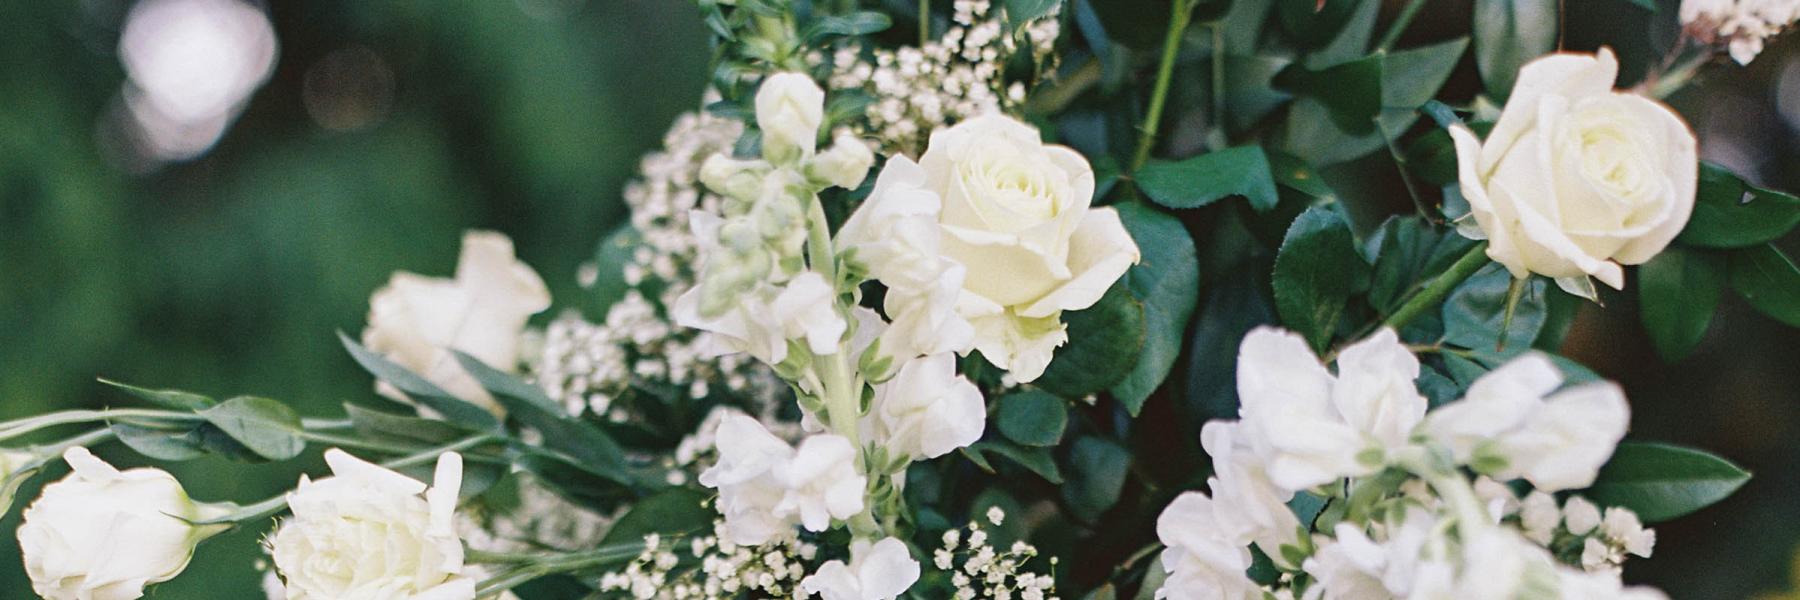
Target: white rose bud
column 102, row 533
column 1016, row 215
column 879, row 571
column 415, row 321
column 928, row 410
column 845, row 164
column 368, row 532
column 789, row 109
column 1576, row 179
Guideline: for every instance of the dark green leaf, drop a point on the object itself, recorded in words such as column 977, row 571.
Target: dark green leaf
column 1233, row 307
column 1730, row 213
column 1032, row 417
column 1649, row 5
column 1037, row 459
column 1661, row 482
column 267, row 427
column 1104, row 342
column 1409, row 250
column 160, row 444
column 1250, row 93
column 1351, row 90
column 1475, row 313
column 672, row 512
column 609, row 259
column 170, row 399
column 378, row 424
column 1198, row 181
column 1021, row 12
column 455, row 410
column 1769, row 281
column 1309, row 25
column 1409, row 79
column 1677, row 292
column 856, row 23
column 1292, row 173
column 1097, row 469
column 524, row 402
column 1508, row 34
column 1167, row 281
column 1315, row 272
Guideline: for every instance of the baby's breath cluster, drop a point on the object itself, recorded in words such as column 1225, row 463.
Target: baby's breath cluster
column 712, row 568
column 588, row 365
column 960, row 75
column 1742, row 26
column 978, row 570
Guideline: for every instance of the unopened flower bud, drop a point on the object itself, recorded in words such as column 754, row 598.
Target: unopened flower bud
column 845, row 164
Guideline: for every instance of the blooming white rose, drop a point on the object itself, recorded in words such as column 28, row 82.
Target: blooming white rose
column 368, row 533
column 845, row 164
column 104, row 534
column 745, row 478
column 1016, row 215
column 895, row 234
column 789, row 109
column 927, row 410
column 879, row 571
column 1201, row 560
column 822, row 482
column 415, row 321
column 1576, row 179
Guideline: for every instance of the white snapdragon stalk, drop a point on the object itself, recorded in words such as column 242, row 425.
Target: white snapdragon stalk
column 927, row 410
column 1511, row 425
column 416, row 321
column 789, row 110
column 745, row 478
column 878, row 571
column 895, row 233
column 1202, row 561
column 822, row 482
column 368, row 533
column 1576, row 179
column 104, row 534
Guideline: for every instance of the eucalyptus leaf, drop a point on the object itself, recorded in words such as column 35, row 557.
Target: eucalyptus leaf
column 580, row 439
column 1768, row 280
column 170, row 399
column 266, row 427
column 1315, row 272
column 1032, row 417
column 377, row 424
column 160, row 444
column 856, row 23
column 455, row 410
column 1731, row 213
column 1661, row 482
column 1167, row 281
column 1677, row 292
column 1201, row 180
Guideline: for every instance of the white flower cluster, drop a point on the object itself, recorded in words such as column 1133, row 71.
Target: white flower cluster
column 988, row 573
column 1741, row 25
column 960, row 75
column 725, row 569
column 588, row 365
column 1393, row 475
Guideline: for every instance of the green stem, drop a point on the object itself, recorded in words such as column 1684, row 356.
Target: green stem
column 1400, row 22
column 27, row 425
column 1220, row 126
column 1052, row 98
column 1439, row 288
column 924, row 22
column 550, row 565
column 1165, row 69
column 1679, row 76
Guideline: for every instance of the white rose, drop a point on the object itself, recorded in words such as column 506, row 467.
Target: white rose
column 879, row 571
column 415, row 321
column 896, row 235
column 845, row 164
column 368, row 533
column 745, row 478
column 1576, row 179
column 927, row 410
column 789, row 109
column 104, row 534
column 821, row 482
column 1016, row 215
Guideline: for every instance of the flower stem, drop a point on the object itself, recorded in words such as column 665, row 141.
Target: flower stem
column 924, row 23
column 552, row 564
column 1439, row 288
column 13, row 429
column 1400, row 22
column 1178, row 22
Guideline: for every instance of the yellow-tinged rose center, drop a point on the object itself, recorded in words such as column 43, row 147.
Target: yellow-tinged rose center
column 998, row 174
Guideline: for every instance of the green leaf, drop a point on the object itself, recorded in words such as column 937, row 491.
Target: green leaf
column 1233, row 306
column 1730, row 213
column 1292, row 173
column 1769, row 281
column 1097, row 469
column 377, row 424
column 1341, row 26
column 1104, row 342
column 1409, row 79
column 1475, row 313
column 1351, row 90
column 1201, row 180
column 161, row 444
column 1250, row 93
column 1408, row 250
column 170, row 399
column 672, row 512
column 1021, row 12
column 267, row 427
column 1032, row 417
column 455, row 410
column 1677, row 292
column 856, row 23
column 1315, row 272
column 1509, row 33
column 580, row 439
column 1037, row 459
column 1661, row 482
column 610, row 258
column 1167, row 281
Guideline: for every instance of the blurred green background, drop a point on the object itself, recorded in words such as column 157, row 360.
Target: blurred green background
column 386, row 128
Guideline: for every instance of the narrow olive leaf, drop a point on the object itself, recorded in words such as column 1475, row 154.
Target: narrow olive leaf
column 1661, row 482
column 170, row 399
column 1351, row 90
column 267, row 427
column 173, row 445
column 1730, row 213
column 1201, row 180
column 1677, row 292
column 1097, row 469
column 1315, row 271
column 1167, row 281
column 1508, row 33
column 377, row 424
column 455, row 410
column 1105, row 341
column 1769, row 281
column 527, row 404
column 1032, row 417
column 670, row 513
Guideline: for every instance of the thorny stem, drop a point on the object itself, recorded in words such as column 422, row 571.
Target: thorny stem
column 1178, row 22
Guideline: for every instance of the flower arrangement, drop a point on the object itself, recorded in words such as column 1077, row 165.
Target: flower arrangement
column 900, row 317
